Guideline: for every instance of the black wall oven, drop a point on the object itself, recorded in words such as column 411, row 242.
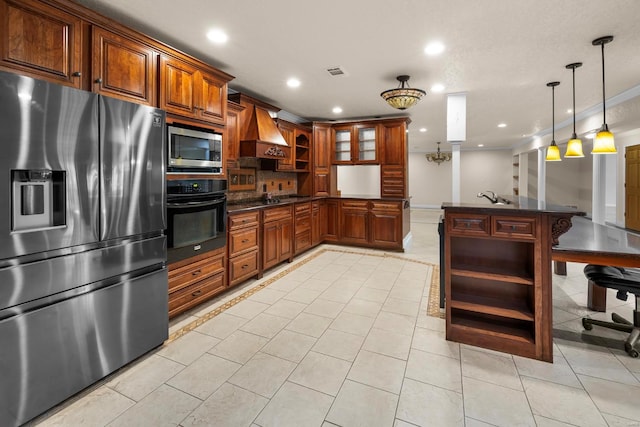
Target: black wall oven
column 196, row 217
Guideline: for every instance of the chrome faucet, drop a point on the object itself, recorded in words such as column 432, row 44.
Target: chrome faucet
column 492, row 198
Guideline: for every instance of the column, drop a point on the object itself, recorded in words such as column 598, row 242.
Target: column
column 599, row 185
column 542, row 177
column 455, row 172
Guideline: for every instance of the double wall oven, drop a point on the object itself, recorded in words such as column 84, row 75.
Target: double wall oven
column 196, row 217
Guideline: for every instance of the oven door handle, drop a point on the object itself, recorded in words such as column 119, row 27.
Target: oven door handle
column 190, row 205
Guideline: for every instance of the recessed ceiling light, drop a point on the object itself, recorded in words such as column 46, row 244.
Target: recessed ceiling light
column 480, row 145
column 217, row 36
column 423, row 129
column 337, row 110
column 438, row 87
column 524, row 135
column 502, row 125
column 293, row 82
column 434, row 48
column 569, row 111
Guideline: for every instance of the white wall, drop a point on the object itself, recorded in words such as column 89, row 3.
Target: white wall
column 359, row 180
column 430, row 184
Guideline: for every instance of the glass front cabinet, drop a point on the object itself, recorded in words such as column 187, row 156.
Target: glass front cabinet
column 355, row 144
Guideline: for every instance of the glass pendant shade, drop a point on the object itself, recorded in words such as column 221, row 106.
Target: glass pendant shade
column 404, row 96
column 574, row 147
column 553, row 153
column 603, row 143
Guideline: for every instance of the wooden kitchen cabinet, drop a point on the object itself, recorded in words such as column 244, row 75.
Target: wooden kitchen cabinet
column 232, row 131
column 123, row 68
column 277, row 239
column 195, row 280
column 322, row 168
column 302, row 227
column 354, row 222
column 332, row 213
column 393, row 155
column 302, row 150
column 288, row 133
column 318, row 221
column 41, row 41
column 190, row 91
column 498, row 280
column 242, row 243
column 386, row 224
column 355, row 143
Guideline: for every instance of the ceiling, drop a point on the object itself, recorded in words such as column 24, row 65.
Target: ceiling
column 501, row 53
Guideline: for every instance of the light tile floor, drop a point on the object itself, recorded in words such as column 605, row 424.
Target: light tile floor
column 344, row 340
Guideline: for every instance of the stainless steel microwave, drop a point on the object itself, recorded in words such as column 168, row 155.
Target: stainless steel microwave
column 190, row 149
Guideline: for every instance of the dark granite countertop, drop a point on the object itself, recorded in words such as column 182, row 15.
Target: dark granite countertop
column 235, row 207
column 515, row 203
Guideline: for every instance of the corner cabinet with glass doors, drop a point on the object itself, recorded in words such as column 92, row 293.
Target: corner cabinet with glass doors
column 355, row 143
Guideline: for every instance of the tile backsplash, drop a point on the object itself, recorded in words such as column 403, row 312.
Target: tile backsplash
column 276, row 183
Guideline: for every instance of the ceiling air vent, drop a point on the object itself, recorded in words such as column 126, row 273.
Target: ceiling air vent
column 336, row 71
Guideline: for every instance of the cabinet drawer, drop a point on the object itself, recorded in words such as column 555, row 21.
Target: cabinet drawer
column 243, row 266
column 196, row 293
column 303, row 241
column 242, row 240
column 386, row 206
column 191, row 273
column 355, row 205
column 243, row 220
column 302, row 208
column 514, row 227
column 303, row 223
column 274, row 214
column 468, row 224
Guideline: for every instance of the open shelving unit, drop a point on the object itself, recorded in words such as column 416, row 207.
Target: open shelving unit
column 302, row 152
column 497, row 284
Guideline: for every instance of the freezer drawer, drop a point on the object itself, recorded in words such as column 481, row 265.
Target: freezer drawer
column 85, row 338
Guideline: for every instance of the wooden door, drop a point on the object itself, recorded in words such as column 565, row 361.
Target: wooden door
column 212, row 93
column 632, row 188
column 123, row 68
column 365, row 144
column 41, row 41
column 232, row 132
column 354, row 219
column 321, row 160
column 288, row 133
column 331, row 219
column 270, row 245
column 177, row 86
column 342, row 144
column 316, row 218
column 386, row 224
column 286, row 239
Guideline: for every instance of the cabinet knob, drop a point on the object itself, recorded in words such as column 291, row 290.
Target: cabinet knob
column 196, row 293
column 245, row 240
column 76, row 74
column 513, row 228
column 245, row 266
column 467, row 224
column 98, row 80
column 195, row 273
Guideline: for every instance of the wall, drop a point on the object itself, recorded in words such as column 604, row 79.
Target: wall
column 362, row 180
column 430, row 184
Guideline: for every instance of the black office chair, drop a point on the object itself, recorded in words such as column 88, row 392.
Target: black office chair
column 624, row 280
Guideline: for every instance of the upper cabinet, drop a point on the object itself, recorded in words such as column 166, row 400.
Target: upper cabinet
column 299, row 139
column 123, row 68
column 288, row 133
column 232, row 138
column 355, row 143
column 190, row 91
column 41, row 41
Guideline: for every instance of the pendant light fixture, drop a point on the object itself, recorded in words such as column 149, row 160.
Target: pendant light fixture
column 403, row 97
column 553, row 152
column 574, row 146
column 603, row 143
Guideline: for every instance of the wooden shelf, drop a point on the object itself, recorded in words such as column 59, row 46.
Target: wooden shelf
column 513, row 309
column 493, row 329
column 501, row 274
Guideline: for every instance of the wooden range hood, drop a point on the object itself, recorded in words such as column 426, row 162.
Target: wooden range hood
column 259, row 135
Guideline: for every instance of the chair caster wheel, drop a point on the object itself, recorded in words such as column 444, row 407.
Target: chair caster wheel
column 586, row 324
column 631, row 351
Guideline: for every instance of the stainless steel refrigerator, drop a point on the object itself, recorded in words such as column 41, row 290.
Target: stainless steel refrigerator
column 83, row 281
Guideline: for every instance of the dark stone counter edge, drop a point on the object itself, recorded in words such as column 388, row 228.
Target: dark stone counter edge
column 249, row 206
column 517, row 204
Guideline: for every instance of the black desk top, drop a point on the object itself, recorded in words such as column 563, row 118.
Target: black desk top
column 514, row 204
column 588, row 238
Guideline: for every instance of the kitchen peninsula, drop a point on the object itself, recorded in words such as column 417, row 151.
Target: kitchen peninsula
column 498, row 274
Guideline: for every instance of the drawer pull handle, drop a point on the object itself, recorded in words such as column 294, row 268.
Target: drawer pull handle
column 467, row 224
column 196, row 293
column 245, row 266
column 245, row 240
column 195, row 273
column 244, row 220
column 513, row 228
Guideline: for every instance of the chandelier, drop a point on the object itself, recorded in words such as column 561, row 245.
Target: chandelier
column 402, row 97
column 438, row 157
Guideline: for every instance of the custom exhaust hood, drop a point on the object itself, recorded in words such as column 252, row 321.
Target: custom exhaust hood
column 259, row 135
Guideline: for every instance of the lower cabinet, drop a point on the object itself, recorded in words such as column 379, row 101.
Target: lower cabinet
column 331, row 221
column 371, row 223
column 195, row 280
column 277, row 236
column 354, row 222
column 243, row 243
column 302, row 227
column 318, row 221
